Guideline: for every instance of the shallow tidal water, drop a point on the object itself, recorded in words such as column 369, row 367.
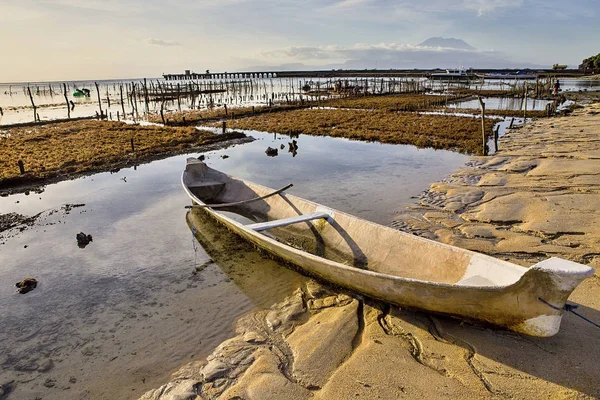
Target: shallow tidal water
column 114, row 319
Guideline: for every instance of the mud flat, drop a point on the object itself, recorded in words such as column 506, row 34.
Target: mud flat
column 535, row 198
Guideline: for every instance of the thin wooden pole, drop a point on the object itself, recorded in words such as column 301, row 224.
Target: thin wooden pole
column 99, row 100
column 496, row 137
column 525, row 108
column 67, row 101
column 122, row 104
column 482, row 106
column 243, row 201
column 146, row 96
column 35, row 118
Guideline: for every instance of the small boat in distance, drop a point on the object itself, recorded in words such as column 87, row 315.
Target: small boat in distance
column 453, row 75
column 81, row 92
column 384, row 263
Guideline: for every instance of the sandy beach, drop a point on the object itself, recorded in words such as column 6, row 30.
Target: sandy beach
column 537, row 197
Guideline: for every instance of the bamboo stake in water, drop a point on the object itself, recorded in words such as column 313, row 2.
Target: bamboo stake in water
column 67, row 101
column 525, row 109
column 482, row 106
column 122, row 105
column 99, row 101
column 35, row 118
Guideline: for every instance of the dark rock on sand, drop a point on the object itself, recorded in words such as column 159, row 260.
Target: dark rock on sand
column 26, row 285
column 83, row 239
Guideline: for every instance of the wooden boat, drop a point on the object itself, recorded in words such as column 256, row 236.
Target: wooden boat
column 385, row 263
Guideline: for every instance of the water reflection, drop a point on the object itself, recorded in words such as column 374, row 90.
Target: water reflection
column 503, row 103
column 262, row 279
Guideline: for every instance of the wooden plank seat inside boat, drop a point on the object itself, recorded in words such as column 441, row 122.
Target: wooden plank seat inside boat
column 206, row 190
column 261, row 226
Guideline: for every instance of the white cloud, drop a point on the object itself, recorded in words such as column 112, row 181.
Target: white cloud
column 160, row 42
column 390, row 55
column 358, row 50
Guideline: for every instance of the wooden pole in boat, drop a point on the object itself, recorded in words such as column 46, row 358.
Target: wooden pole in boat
column 67, row 100
column 33, row 104
column 99, row 101
column 243, row 201
column 482, row 106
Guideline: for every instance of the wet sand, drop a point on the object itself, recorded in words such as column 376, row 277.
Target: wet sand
column 537, row 197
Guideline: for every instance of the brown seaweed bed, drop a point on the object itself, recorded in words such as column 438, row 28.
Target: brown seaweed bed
column 71, row 148
column 436, row 131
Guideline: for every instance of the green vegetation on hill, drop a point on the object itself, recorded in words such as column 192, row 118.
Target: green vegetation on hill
column 591, row 63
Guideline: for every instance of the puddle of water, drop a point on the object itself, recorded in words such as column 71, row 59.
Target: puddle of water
column 121, row 314
column 370, row 180
column 503, row 103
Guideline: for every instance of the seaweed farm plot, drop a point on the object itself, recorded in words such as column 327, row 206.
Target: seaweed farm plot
column 405, row 102
column 84, row 146
column 436, row 131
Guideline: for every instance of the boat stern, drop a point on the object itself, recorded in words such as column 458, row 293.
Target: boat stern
column 550, row 282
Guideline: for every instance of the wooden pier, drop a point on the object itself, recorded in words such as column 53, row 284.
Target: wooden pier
column 348, row 73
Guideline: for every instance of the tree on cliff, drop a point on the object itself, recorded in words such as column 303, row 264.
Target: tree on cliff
column 591, row 64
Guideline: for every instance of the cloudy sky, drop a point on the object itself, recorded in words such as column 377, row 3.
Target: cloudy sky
column 96, row 39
